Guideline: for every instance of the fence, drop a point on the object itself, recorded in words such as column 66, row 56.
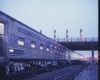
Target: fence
column 71, row 39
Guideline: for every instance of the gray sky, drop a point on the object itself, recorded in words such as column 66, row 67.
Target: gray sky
column 60, row 15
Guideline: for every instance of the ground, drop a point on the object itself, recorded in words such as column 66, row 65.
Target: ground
column 90, row 73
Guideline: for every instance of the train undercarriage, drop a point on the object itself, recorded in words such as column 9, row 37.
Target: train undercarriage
column 16, row 66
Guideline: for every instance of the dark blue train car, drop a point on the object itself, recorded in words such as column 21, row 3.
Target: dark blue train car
column 23, row 48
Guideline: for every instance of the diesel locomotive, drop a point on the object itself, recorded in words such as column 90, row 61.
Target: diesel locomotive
column 23, row 48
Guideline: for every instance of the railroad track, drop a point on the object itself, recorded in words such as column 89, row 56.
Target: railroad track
column 59, row 74
column 22, row 75
column 41, row 74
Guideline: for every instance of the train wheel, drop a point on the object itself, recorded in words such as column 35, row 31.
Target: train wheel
column 7, row 69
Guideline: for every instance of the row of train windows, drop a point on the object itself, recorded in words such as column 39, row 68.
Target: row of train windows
column 21, row 41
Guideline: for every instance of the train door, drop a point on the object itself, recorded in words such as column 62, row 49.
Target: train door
column 69, row 56
column 2, row 27
column 2, row 39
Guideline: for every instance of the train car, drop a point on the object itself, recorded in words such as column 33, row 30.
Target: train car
column 75, row 57
column 23, row 48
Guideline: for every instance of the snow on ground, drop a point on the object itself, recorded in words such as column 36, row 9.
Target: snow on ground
column 88, row 74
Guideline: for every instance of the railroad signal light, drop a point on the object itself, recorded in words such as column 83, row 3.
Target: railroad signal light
column 81, row 40
column 54, row 31
column 81, row 35
column 81, row 30
column 67, row 41
column 67, row 36
column 40, row 31
column 54, row 36
column 66, row 31
column 54, row 40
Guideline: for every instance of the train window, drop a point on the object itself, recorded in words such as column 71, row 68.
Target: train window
column 21, row 41
column 47, row 48
column 1, row 28
column 11, row 50
column 33, row 44
column 41, row 46
column 51, row 45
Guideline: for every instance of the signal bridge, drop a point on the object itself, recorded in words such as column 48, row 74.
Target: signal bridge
column 80, row 44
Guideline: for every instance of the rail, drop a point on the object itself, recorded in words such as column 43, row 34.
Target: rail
column 71, row 75
column 57, row 75
column 22, row 75
column 68, row 72
column 72, row 39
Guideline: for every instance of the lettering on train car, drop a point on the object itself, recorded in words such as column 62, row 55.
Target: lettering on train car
column 16, row 51
column 27, row 32
column 19, row 51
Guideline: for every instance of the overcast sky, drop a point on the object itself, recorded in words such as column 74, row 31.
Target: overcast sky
column 60, row 15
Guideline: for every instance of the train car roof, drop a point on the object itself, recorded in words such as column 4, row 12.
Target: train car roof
column 28, row 27
column 23, row 24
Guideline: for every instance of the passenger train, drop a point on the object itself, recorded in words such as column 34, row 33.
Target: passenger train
column 23, row 48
